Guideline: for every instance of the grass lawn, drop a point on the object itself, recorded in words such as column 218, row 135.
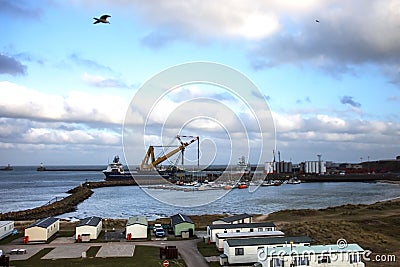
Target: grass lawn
column 144, row 257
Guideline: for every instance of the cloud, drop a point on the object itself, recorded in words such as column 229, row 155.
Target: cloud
column 23, row 8
column 393, row 99
column 77, row 59
column 23, row 103
column 9, row 65
column 344, row 39
column 203, row 20
column 102, row 82
column 158, row 38
column 300, row 101
column 349, row 100
column 281, row 32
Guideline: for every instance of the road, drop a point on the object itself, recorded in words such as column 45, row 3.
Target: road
column 66, row 248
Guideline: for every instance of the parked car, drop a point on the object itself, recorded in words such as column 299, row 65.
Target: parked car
column 157, row 226
column 160, row 232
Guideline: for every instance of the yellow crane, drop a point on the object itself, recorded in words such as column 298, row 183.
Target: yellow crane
column 149, row 161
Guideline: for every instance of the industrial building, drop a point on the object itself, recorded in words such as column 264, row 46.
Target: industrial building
column 314, row 167
column 278, row 167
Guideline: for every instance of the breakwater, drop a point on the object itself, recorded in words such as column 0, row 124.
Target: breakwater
column 64, row 205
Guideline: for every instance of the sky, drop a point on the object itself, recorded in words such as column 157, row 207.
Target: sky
column 328, row 70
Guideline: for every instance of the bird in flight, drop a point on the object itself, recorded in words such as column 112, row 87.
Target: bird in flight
column 102, row 19
column 317, row 21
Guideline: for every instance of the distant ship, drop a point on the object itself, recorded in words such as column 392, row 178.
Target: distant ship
column 8, row 168
column 115, row 172
column 41, row 167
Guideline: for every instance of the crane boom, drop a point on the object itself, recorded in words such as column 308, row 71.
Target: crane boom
column 146, row 165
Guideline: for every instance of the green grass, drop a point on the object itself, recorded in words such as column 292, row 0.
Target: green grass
column 144, row 257
column 214, row 264
column 92, row 251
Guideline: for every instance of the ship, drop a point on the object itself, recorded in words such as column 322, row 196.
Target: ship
column 7, row 168
column 149, row 171
column 115, row 171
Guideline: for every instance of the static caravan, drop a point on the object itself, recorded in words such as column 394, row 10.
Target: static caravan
column 214, row 229
column 239, row 218
column 221, row 237
column 312, row 256
column 245, row 251
column 88, row 229
column 182, row 223
column 42, row 230
column 136, row 227
column 6, row 228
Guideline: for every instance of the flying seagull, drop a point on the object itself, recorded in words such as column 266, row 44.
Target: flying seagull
column 102, row 19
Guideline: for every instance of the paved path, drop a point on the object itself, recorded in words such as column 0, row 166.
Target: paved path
column 116, row 250
column 65, row 251
column 187, row 248
column 63, row 248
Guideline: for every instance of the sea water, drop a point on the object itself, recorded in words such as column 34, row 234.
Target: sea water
column 26, row 188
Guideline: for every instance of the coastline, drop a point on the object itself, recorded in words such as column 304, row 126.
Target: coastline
column 84, row 191
column 374, row 226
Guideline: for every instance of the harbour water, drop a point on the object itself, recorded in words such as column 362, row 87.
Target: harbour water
column 26, row 188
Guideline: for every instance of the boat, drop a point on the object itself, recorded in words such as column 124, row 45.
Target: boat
column 293, row 180
column 242, row 168
column 7, row 168
column 271, row 183
column 242, row 185
column 115, row 172
column 41, row 167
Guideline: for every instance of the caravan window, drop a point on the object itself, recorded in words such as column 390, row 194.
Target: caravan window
column 276, row 262
column 301, row 261
column 324, row 259
column 239, row 251
column 354, row 258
